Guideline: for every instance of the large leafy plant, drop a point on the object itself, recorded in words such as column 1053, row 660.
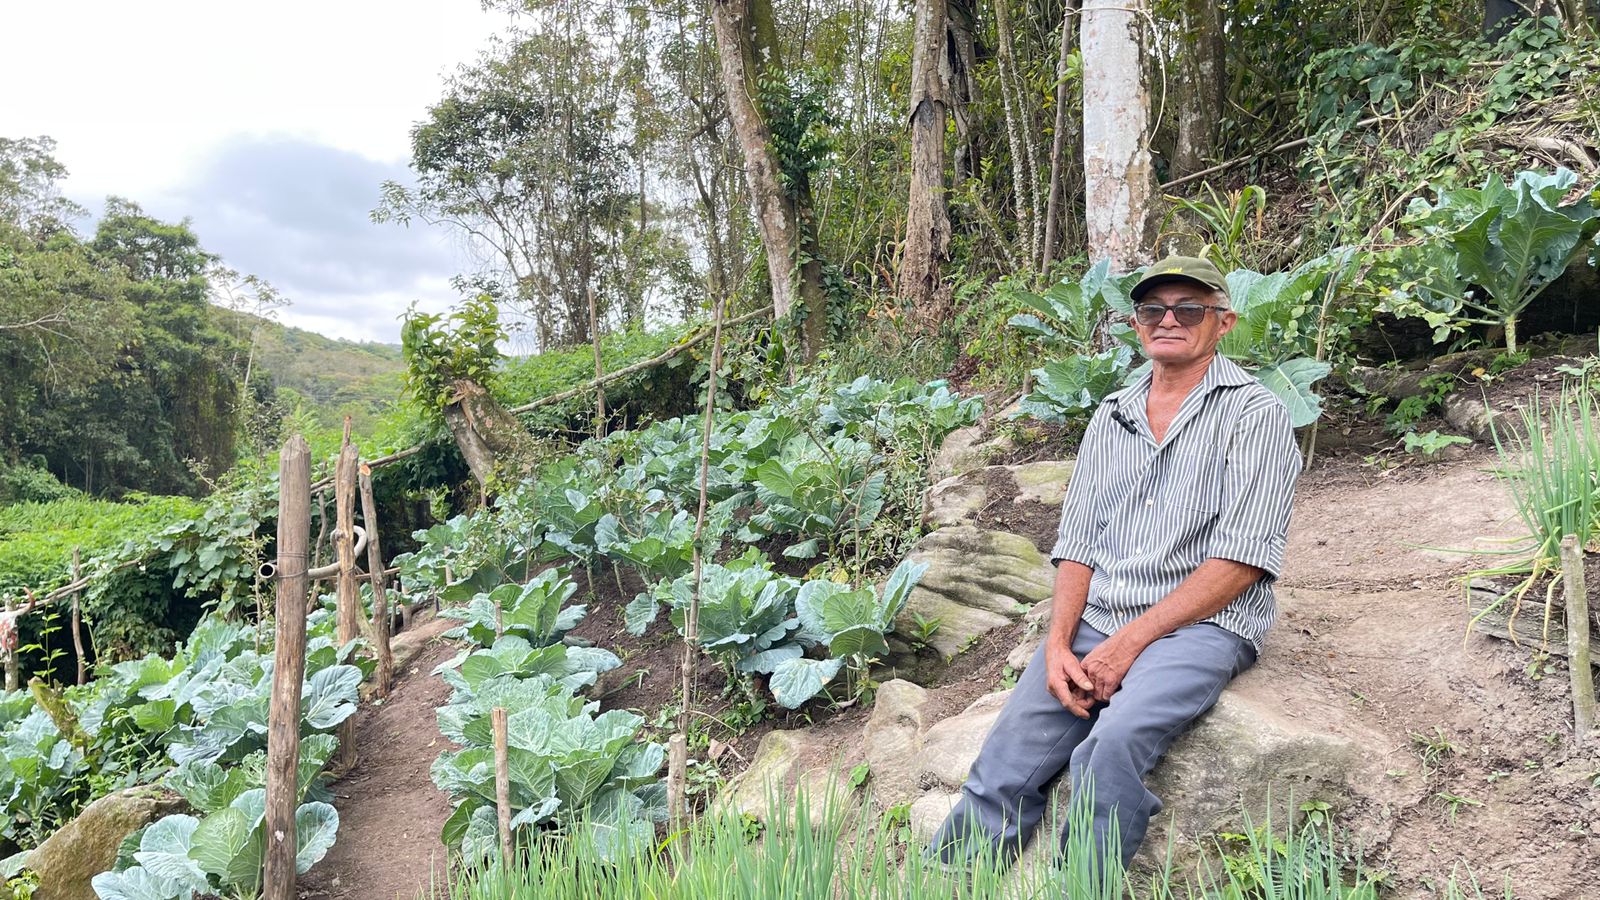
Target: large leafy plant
column 1274, row 336
column 853, row 623
column 657, row 545
column 536, row 611
column 1271, row 338
column 565, row 762
column 520, row 629
column 746, row 612
column 181, row 856
column 1065, row 319
column 1487, row 252
column 39, row 769
column 817, row 492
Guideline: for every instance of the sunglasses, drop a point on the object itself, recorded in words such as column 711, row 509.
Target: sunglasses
column 1185, row 313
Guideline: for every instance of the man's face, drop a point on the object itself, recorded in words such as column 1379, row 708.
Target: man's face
column 1171, row 343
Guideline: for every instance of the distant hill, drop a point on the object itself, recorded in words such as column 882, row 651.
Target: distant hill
column 334, row 377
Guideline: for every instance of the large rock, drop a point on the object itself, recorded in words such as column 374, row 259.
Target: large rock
column 1043, row 482
column 949, row 747
column 892, row 741
column 1037, row 624
column 958, row 499
column 966, row 449
column 787, row 762
column 1244, row 749
column 87, row 846
column 977, row 580
column 929, row 812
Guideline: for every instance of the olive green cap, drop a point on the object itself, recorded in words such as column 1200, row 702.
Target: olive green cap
column 1180, row 268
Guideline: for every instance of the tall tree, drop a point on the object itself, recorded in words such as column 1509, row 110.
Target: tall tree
column 1116, row 116
column 927, row 245
column 522, row 157
column 1054, row 213
column 747, row 46
column 1202, row 70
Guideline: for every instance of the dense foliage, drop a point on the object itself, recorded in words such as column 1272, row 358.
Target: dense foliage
column 1275, row 337
column 205, row 710
column 833, row 473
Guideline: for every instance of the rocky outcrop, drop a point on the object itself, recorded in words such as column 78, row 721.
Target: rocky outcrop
column 1243, row 750
column 960, row 499
column 788, row 763
column 87, row 846
column 966, row 449
column 892, row 735
column 977, row 580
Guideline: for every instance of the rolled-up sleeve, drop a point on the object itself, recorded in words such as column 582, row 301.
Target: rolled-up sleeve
column 1080, row 519
column 1262, row 466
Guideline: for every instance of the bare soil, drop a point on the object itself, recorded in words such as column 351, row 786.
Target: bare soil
column 390, row 814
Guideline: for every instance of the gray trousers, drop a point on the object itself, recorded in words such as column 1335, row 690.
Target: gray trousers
column 1173, row 682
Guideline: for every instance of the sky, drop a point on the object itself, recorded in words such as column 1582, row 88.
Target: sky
column 270, row 126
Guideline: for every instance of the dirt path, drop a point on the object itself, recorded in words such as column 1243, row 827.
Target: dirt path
column 390, row 813
column 1471, row 764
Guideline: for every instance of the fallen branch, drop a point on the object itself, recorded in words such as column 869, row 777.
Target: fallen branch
column 581, row 389
column 1288, row 145
column 624, row 372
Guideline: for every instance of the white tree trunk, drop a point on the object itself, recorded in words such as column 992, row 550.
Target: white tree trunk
column 1116, row 115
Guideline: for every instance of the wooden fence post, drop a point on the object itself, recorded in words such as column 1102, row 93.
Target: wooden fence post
column 380, row 596
column 599, row 372
column 77, row 617
column 1578, row 640
column 322, row 529
column 13, row 668
column 289, row 663
column 348, row 608
column 502, row 782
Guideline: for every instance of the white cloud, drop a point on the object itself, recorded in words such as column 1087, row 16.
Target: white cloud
column 272, row 125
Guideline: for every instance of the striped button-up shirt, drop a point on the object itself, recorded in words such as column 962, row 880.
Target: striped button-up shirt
column 1145, row 515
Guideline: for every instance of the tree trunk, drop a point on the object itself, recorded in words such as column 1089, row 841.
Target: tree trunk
column 1024, row 189
column 487, row 435
column 1116, row 114
column 927, row 218
column 962, row 56
column 746, row 46
column 1203, row 77
column 1058, row 136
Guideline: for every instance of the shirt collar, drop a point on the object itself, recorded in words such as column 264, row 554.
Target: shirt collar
column 1222, row 372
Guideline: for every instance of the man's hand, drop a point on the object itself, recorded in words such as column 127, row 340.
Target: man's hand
column 1108, row 663
column 1066, row 680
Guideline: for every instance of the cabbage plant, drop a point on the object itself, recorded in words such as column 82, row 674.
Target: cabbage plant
column 566, row 763
column 1488, row 251
column 853, row 623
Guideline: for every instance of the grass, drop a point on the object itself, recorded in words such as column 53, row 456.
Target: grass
column 860, row 855
column 1551, row 468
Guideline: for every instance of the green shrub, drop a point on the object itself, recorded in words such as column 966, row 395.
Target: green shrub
column 1485, row 253
column 652, row 393
column 28, row 483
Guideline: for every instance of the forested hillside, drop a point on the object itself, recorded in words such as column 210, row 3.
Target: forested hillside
column 332, row 378
column 817, row 299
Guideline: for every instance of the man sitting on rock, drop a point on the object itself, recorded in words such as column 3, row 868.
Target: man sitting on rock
column 1171, row 535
